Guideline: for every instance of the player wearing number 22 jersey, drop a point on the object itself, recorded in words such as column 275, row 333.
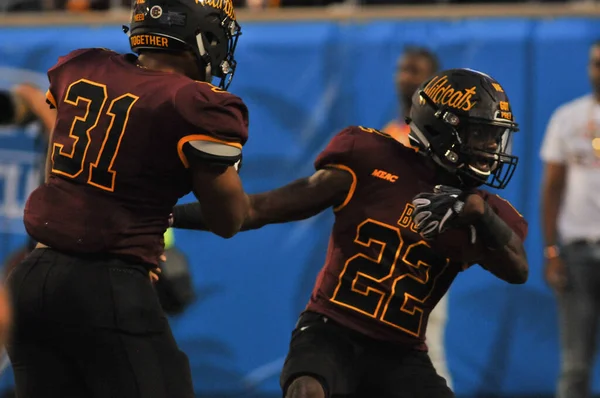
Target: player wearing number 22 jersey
column 133, row 134
column 408, row 220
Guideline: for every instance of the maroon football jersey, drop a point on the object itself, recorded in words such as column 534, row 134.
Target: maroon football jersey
column 117, row 160
column 380, row 277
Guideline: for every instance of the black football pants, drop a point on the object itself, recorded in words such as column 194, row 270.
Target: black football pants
column 351, row 365
column 91, row 328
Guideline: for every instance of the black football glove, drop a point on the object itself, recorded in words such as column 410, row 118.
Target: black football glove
column 438, row 211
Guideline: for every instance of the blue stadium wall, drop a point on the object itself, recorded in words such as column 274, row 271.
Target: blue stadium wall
column 303, row 82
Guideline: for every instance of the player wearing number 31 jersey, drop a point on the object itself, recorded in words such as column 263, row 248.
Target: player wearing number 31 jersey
column 407, row 221
column 133, row 134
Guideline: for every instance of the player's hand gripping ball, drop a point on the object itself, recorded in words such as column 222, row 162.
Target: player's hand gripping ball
column 437, row 211
column 444, row 219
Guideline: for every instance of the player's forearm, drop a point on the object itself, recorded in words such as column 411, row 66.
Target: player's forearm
column 505, row 257
column 226, row 219
column 190, row 216
column 35, row 101
column 298, row 200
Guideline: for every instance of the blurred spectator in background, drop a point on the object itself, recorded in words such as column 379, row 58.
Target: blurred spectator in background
column 571, row 226
column 20, row 5
column 258, row 4
column 25, row 103
column 415, row 65
column 21, row 105
column 174, row 287
column 97, row 5
column 85, row 5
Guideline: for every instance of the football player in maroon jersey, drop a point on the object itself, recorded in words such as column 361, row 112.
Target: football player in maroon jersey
column 133, row 134
column 407, row 221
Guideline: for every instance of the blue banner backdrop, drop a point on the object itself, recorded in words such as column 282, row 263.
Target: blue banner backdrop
column 303, row 82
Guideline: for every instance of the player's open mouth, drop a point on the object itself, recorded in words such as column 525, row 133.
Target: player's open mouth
column 483, row 158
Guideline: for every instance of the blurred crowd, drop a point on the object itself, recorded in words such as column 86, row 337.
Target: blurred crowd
column 81, row 5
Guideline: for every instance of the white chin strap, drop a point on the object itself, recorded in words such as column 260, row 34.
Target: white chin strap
column 203, row 52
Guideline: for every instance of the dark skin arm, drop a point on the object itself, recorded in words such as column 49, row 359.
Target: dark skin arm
column 309, row 196
column 32, row 101
column 553, row 188
column 506, row 260
column 35, row 102
column 220, row 193
column 298, row 200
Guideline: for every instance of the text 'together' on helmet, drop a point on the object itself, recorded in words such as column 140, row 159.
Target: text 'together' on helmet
column 463, row 120
column 208, row 28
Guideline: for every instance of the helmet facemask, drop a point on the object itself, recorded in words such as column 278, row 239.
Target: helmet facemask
column 486, row 153
column 215, row 50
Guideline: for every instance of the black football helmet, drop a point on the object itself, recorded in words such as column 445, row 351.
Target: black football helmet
column 463, row 120
column 208, row 28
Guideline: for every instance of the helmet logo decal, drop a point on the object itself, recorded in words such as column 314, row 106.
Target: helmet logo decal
column 224, row 5
column 505, row 112
column 442, row 93
column 156, row 12
column 498, row 87
column 149, row 41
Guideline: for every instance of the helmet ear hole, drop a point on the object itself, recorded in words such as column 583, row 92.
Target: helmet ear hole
column 211, row 39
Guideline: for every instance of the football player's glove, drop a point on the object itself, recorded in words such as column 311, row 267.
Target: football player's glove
column 437, row 211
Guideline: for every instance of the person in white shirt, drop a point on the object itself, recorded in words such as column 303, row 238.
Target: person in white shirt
column 571, row 227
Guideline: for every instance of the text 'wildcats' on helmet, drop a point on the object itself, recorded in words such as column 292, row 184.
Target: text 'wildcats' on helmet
column 463, row 120
column 207, row 28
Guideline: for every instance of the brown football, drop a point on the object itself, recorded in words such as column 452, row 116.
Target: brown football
column 456, row 244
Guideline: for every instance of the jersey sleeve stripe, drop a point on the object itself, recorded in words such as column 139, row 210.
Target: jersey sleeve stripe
column 200, row 137
column 50, row 98
column 352, row 187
